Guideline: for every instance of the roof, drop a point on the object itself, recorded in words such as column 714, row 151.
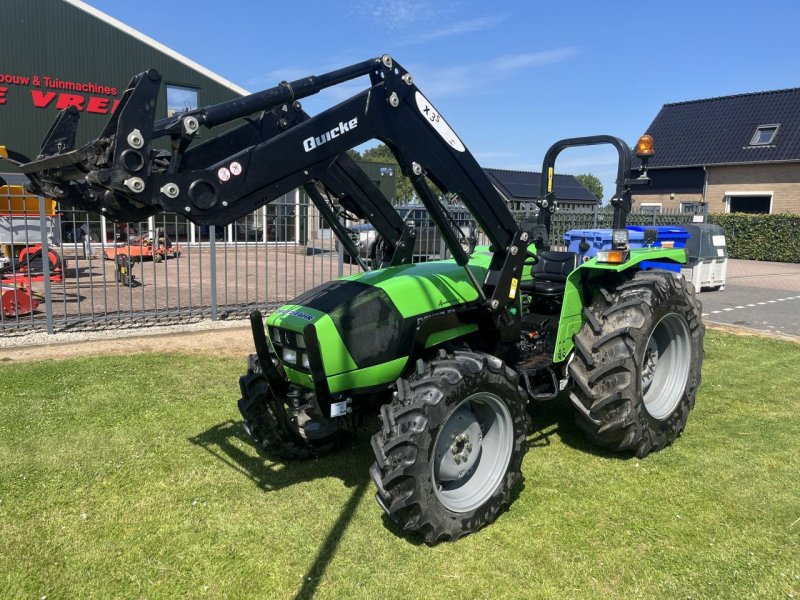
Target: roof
column 718, row 131
column 526, row 185
column 157, row 45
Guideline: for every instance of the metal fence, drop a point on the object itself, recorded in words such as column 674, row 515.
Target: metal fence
column 179, row 272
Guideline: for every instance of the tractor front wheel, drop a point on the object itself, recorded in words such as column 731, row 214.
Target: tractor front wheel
column 277, row 432
column 450, row 449
column 637, row 362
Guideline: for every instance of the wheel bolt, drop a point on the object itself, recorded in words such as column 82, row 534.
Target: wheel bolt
column 468, row 447
column 464, row 456
column 454, row 449
column 460, row 437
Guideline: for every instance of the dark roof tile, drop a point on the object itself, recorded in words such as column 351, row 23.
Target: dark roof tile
column 716, row 131
column 525, row 185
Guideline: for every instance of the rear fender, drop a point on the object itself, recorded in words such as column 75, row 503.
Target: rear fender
column 579, row 283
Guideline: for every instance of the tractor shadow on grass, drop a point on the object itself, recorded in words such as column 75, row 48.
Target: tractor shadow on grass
column 556, row 418
column 227, row 442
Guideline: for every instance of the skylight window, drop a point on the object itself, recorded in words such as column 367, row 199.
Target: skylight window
column 764, row 135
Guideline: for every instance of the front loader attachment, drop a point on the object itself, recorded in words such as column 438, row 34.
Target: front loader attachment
column 125, row 176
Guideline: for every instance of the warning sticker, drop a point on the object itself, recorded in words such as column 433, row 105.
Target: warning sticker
column 513, row 291
column 236, row 168
column 224, row 174
column 438, row 123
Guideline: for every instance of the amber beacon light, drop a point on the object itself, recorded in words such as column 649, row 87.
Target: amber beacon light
column 644, row 147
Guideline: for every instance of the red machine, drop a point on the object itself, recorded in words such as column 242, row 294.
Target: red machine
column 29, row 266
column 16, row 301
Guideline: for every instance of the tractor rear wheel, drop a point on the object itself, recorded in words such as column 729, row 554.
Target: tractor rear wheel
column 637, row 362
column 451, row 445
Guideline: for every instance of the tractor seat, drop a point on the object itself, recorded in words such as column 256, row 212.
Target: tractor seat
column 550, row 273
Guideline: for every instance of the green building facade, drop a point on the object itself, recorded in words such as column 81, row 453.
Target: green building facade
column 60, row 53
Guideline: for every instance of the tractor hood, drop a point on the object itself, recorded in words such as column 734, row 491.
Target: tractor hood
column 370, row 318
column 412, row 289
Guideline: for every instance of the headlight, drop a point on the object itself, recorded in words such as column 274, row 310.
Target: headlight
column 299, row 341
column 276, row 335
column 289, row 356
column 304, row 359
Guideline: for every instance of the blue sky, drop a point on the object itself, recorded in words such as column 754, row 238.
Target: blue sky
column 510, row 77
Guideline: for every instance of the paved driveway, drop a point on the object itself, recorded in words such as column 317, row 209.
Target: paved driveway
column 759, row 295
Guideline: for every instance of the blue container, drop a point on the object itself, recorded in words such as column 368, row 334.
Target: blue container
column 598, row 239
column 665, row 233
column 646, row 265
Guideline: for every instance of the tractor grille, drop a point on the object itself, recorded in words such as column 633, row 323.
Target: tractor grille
column 290, row 348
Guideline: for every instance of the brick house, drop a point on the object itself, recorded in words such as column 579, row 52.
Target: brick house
column 737, row 153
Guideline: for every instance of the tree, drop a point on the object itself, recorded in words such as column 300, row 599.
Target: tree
column 591, row 183
column 381, row 153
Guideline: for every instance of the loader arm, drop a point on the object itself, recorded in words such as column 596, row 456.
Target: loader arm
column 344, row 180
column 224, row 182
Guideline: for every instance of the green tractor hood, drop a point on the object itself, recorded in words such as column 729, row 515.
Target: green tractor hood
column 358, row 332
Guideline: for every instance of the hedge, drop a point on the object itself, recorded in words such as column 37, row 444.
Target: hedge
column 761, row 237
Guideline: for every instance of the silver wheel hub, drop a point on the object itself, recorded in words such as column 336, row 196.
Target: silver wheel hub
column 462, row 428
column 665, row 365
column 472, row 452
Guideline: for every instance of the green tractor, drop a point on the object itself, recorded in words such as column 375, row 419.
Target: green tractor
column 449, row 354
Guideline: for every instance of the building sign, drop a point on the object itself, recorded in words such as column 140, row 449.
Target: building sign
column 52, row 92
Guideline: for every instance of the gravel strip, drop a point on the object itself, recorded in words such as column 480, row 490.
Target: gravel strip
column 39, row 338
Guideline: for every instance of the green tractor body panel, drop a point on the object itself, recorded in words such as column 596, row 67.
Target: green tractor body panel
column 367, row 325
column 572, row 318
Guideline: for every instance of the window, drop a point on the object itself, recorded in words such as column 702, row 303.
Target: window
column 651, row 207
column 180, row 99
column 754, row 204
column 764, row 135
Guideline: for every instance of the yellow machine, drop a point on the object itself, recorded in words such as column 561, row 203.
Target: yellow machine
column 16, row 204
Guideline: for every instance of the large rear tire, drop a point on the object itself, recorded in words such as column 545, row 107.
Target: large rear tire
column 451, row 445
column 637, row 362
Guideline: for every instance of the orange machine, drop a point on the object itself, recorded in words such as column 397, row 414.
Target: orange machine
column 139, row 248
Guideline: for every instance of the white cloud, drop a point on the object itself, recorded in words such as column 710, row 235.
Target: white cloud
column 515, row 62
column 460, row 28
column 442, row 81
column 435, row 82
column 398, row 14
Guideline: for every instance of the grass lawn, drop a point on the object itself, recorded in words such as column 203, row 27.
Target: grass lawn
column 131, row 477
